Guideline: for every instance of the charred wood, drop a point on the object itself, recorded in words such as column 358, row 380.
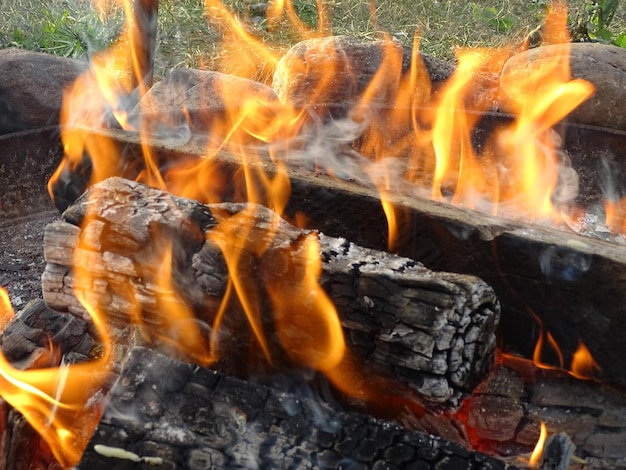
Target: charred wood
column 506, row 411
column 38, row 337
column 182, row 416
column 573, row 285
column 21, row 447
column 434, row 331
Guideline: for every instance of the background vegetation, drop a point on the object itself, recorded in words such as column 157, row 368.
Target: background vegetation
column 75, row 28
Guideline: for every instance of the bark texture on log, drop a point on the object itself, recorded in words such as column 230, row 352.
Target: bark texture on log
column 182, row 416
column 433, row 331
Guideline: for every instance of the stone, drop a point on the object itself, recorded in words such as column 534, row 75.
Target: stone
column 31, row 88
column 200, row 100
column 604, row 66
column 334, row 72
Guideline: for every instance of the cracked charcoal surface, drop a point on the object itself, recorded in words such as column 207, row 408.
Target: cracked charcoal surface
column 433, row 330
column 208, row 420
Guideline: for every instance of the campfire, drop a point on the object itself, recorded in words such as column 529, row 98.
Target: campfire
column 349, row 255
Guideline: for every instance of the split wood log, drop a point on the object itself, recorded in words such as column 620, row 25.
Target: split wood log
column 575, row 286
column 180, row 416
column 433, row 331
column 26, row 340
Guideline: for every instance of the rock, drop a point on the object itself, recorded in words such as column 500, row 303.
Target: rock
column 333, row 72
column 602, row 65
column 197, row 99
column 31, row 88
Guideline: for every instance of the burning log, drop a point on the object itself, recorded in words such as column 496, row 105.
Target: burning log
column 433, row 331
column 507, row 410
column 27, row 338
column 557, row 452
column 181, row 416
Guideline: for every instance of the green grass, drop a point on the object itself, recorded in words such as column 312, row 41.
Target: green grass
column 74, row 28
column 65, row 28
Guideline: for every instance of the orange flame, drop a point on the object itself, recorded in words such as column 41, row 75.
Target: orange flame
column 519, row 167
column 539, row 349
column 180, row 329
column 518, row 170
column 456, row 165
column 583, row 364
column 615, row 213
column 60, row 402
column 535, row 457
column 305, row 317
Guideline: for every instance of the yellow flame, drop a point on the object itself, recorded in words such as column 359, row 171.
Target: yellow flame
column 55, row 400
column 535, row 457
column 583, row 364
column 305, row 317
column 519, row 166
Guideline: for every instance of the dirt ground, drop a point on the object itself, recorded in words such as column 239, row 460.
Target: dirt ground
column 21, row 256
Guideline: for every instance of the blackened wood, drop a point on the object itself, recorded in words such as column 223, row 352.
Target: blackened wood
column 576, row 286
column 187, row 417
column 36, row 332
column 434, row 331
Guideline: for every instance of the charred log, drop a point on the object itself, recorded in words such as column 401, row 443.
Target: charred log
column 573, row 285
column 21, row 447
column 38, row 337
column 182, row 416
column 434, row 331
column 505, row 413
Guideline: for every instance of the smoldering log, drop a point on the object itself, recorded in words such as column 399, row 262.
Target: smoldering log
column 21, row 447
column 434, row 331
column 180, row 416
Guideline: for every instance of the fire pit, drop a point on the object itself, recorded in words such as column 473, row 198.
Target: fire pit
column 268, row 248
